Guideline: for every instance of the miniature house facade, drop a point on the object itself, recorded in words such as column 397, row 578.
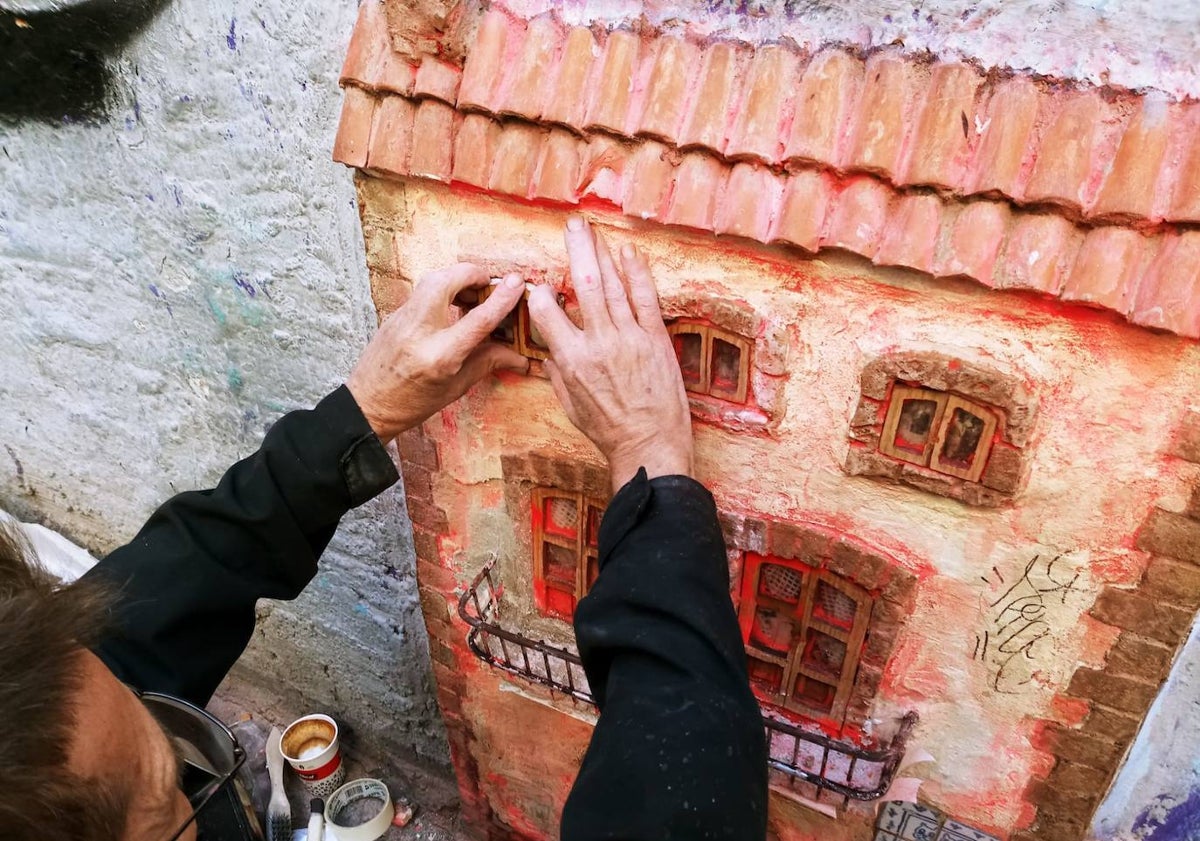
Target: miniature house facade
column 938, row 328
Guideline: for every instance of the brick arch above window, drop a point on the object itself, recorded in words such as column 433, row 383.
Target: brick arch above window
column 942, row 425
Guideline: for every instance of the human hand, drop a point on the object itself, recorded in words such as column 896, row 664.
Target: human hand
column 618, row 378
column 418, row 362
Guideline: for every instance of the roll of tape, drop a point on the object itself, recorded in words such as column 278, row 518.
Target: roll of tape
column 338, row 808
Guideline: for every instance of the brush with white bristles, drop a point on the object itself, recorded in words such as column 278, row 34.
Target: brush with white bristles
column 279, row 811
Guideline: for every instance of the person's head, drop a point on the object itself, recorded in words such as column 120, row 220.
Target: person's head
column 80, row 756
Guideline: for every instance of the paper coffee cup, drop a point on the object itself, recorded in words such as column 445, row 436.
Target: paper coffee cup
column 310, row 745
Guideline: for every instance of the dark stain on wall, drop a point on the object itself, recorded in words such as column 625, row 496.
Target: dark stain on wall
column 58, row 65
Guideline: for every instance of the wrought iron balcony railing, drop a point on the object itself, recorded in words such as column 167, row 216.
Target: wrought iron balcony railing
column 811, row 764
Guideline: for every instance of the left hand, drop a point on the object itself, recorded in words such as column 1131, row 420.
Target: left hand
column 419, row 362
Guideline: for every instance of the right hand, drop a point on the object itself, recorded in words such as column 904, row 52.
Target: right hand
column 618, row 378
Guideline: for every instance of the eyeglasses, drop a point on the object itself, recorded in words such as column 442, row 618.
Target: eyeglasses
column 210, row 754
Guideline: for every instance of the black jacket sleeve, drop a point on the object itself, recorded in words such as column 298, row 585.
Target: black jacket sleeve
column 187, row 585
column 679, row 751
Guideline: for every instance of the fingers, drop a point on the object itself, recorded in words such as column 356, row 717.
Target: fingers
column 615, row 297
column 549, row 320
column 585, row 274
column 560, row 390
column 441, row 286
column 641, row 289
column 487, row 359
column 478, row 323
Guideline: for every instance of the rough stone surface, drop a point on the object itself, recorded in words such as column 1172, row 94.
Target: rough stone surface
column 177, row 276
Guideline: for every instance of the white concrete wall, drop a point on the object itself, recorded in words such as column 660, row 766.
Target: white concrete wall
column 175, row 277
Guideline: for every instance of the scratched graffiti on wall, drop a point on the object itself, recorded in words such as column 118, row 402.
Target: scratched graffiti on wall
column 1021, row 620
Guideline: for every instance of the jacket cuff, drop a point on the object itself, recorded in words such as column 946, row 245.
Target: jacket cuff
column 364, row 462
column 629, row 505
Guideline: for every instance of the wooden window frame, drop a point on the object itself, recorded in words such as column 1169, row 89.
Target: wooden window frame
column 792, row 665
column 929, row 457
column 709, row 336
column 585, row 546
column 524, row 340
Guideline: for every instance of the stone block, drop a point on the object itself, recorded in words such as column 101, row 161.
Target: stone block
column 1151, row 618
column 1138, row 657
column 436, row 577
column 418, row 481
column 435, row 608
column 1004, row 471
column 785, row 540
column 1170, row 534
column 1193, row 509
column 427, row 516
column 1172, row 581
column 1121, row 693
column 861, row 461
column 1113, row 724
column 1187, row 440
column 425, row 543
column 864, row 568
column 744, row 533
column 417, row 448
column 1085, row 749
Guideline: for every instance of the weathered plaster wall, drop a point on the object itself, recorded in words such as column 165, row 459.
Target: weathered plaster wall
column 1109, row 397
column 172, row 280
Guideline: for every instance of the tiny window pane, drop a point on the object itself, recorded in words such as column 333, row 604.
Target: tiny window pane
column 562, row 517
column 690, row 351
column 726, row 365
column 773, row 631
column 824, row 654
column 916, row 425
column 964, row 431
column 766, row 677
column 814, row 694
column 561, row 566
column 834, row 607
column 560, row 602
column 594, row 516
column 593, row 571
column 780, row 582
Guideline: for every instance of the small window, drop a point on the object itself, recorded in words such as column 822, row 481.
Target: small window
column 566, row 546
column 938, row 430
column 713, row 361
column 804, row 630
column 516, row 330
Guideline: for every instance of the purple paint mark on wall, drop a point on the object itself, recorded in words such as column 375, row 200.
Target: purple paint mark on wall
column 1180, row 823
column 239, row 279
column 231, row 38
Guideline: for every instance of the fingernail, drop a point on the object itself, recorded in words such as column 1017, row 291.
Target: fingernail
column 574, row 223
column 513, row 281
column 628, row 251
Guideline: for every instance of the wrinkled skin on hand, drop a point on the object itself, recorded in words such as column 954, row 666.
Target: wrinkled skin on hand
column 618, row 378
column 421, row 360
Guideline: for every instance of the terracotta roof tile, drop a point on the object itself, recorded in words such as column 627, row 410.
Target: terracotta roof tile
column 1003, row 133
column 557, row 174
column 437, row 79
column 825, row 101
column 1168, row 297
column 1128, row 188
column 666, row 89
column 751, row 200
column 605, row 161
column 1185, row 198
column 971, row 240
column 941, row 147
column 765, row 111
column 716, row 91
column 802, row 212
column 433, row 141
column 1066, row 151
column 858, row 216
column 608, row 105
column 354, row 128
column 516, row 159
column 881, row 126
column 486, row 60
column 648, row 185
column 1038, row 253
column 474, row 149
column 1110, row 263
column 370, row 61
column 568, row 101
column 524, row 91
column 698, row 180
column 391, row 136
column 910, row 235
